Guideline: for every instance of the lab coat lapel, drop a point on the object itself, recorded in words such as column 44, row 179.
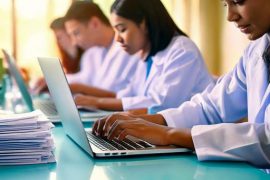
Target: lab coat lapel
column 155, row 72
column 264, row 104
column 263, row 87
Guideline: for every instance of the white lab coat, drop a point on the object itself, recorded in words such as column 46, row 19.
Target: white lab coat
column 177, row 73
column 242, row 92
column 107, row 68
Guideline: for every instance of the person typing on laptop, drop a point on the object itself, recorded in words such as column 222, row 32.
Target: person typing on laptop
column 70, row 54
column 168, row 58
column 206, row 123
column 105, row 67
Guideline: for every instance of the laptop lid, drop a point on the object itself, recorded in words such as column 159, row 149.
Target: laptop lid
column 72, row 124
column 65, row 105
column 15, row 73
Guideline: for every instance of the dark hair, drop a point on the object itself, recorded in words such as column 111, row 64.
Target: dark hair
column 58, row 23
column 161, row 27
column 83, row 11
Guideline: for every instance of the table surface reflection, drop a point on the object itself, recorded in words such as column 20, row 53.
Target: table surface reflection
column 73, row 163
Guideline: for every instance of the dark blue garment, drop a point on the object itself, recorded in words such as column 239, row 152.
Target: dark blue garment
column 266, row 58
column 149, row 63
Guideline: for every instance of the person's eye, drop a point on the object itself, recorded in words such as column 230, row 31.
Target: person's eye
column 238, row 2
column 121, row 30
column 76, row 33
column 234, row 2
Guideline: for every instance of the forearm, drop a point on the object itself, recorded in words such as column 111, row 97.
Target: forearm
column 180, row 137
column 156, row 118
column 98, row 92
column 111, row 104
column 91, row 91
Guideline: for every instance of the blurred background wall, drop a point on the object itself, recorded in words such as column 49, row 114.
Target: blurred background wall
column 24, row 30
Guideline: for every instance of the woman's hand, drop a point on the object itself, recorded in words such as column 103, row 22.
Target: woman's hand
column 122, row 125
column 103, row 124
column 39, row 86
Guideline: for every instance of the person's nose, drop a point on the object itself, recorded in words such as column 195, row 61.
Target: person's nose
column 232, row 14
column 73, row 40
column 118, row 38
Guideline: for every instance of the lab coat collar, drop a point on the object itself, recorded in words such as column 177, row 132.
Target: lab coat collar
column 160, row 57
column 265, row 41
column 268, row 36
column 158, row 62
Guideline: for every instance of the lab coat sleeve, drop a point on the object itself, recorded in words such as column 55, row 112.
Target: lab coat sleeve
column 238, row 142
column 128, row 91
column 88, row 69
column 79, row 77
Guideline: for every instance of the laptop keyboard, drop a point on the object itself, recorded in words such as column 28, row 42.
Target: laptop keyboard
column 126, row 144
column 46, row 106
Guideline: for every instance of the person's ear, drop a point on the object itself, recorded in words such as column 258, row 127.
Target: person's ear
column 144, row 27
column 94, row 22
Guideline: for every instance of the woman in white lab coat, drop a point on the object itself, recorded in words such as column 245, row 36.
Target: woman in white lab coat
column 207, row 122
column 172, row 69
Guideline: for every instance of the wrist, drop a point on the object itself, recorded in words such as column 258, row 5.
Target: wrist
column 98, row 102
column 158, row 119
column 180, row 137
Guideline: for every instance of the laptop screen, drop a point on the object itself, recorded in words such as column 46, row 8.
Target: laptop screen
column 15, row 73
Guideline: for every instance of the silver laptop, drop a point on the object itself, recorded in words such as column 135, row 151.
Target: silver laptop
column 72, row 124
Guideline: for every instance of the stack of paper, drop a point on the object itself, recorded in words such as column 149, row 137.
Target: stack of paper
column 25, row 139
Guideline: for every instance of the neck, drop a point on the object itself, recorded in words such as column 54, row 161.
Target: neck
column 145, row 52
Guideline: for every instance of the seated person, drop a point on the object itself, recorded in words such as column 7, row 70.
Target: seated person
column 70, row 55
column 105, row 67
column 206, row 123
column 171, row 70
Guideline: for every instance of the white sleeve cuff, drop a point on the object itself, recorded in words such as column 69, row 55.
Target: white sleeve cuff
column 185, row 116
column 127, row 103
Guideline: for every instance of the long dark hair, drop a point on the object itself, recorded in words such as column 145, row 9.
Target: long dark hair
column 160, row 25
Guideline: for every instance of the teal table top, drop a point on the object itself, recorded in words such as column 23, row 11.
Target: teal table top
column 73, row 163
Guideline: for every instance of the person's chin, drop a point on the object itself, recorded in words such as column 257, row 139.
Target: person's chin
column 129, row 51
column 254, row 36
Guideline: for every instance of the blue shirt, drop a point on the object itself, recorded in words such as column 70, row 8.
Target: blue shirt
column 243, row 92
column 149, row 63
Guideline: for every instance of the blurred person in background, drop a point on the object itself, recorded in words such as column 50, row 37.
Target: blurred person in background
column 106, row 68
column 70, row 54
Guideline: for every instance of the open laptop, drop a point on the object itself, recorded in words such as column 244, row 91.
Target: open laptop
column 45, row 105
column 72, row 124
